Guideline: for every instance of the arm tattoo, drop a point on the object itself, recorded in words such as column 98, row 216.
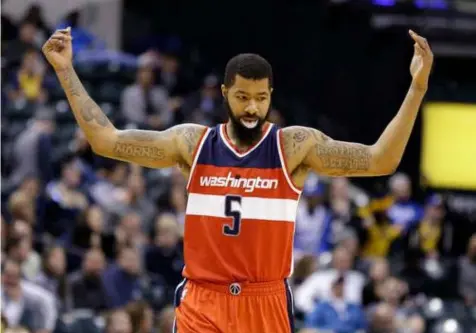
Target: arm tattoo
column 73, row 85
column 342, row 157
column 88, row 109
column 292, row 142
column 191, row 136
column 136, row 143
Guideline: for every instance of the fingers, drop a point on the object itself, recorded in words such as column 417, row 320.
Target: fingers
column 419, row 50
column 421, row 42
column 63, row 34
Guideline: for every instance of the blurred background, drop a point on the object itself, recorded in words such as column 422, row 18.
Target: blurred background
column 94, row 245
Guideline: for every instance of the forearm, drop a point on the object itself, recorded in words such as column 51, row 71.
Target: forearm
column 390, row 146
column 96, row 126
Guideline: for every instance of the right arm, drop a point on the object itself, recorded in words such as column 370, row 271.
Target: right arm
column 147, row 148
column 156, row 149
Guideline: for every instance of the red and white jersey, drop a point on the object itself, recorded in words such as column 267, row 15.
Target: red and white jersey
column 239, row 224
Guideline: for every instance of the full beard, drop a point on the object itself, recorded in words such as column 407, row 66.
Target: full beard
column 245, row 136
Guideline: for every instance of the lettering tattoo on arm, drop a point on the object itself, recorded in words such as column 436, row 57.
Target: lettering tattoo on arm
column 139, row 144
column 341, row 158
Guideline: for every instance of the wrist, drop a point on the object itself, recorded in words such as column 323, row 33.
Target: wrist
column 418, row 87
column 62, row 68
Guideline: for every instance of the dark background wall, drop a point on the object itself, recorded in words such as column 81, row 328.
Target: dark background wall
column 332, row 69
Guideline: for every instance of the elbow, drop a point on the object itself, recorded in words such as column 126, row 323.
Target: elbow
column 99, row 150
column 103, row 145
column 386, row 163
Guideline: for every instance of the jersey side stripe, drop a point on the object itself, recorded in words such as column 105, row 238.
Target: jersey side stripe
column 196, row 153
column 283, row 162
column 251, row 207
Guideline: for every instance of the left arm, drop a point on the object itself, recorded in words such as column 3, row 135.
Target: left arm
column 315, row 150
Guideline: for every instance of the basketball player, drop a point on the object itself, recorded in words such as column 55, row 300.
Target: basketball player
column 244, row 182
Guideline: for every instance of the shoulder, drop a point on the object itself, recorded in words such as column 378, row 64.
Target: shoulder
column 188, row 137
column 189, row 134
column 297, row 141
column 35, row 292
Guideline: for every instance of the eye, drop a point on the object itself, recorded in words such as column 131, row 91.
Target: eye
column 241, row 98
column 262, row 99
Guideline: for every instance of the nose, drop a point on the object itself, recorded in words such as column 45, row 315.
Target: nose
column 252, row 107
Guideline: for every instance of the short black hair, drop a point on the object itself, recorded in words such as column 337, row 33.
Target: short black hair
column 249, row 66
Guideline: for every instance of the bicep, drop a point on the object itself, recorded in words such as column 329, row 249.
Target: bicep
column 339, row 158
column 157, row 149
column 154, row 149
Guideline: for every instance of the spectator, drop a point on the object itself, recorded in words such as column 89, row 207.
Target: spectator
column 109, row 192
column 65, row 200
column 130, row 232
column 21, row 206
column 403, row 211
column 303, row 268
column 344, row 212
column 144, row 103
column 204, row 106
column 166, row 320
column 89, row 232
column 87, row 288
column 336, row 314
column 34, row 15
column 20, row 248
column 53, row 277
column 432, row 236
column 317, row 287
column 82, row 39
column 393, row 292
column 31, row 150
column 467, row 279
column 27, row 40
column 25, row 304
column 165, row 257
column 142, row 317
column 178, row 202
column 379, row 272
column 383, row 320
column 28, row 83
column 276, row 117
column 139, row 202
column 171, row 76
column 313, row 220
column 119, row 321
column 121, row 280
column 381, row 235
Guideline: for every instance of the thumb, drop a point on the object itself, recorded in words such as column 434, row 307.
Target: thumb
column 418, row 49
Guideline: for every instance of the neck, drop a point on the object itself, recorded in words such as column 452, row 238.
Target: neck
column 240, row 145
column 14, row 294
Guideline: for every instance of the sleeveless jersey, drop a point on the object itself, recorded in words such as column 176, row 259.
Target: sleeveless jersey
column 239, row 223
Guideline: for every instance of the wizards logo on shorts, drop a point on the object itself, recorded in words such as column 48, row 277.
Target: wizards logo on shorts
column 235, row 289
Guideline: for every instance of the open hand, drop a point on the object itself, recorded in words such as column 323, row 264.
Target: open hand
column 58, row 49
column 422, row 61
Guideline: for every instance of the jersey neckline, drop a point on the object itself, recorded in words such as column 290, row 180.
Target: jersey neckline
column 231, row 146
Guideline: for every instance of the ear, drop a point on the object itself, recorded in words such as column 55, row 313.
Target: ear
column 224, row 91
column 271, row 90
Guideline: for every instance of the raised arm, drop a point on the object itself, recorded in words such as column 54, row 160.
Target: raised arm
column 312, row 149
column 147, row 148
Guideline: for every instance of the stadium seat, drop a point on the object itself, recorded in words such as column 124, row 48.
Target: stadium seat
column 110, row 92
column 19, row 111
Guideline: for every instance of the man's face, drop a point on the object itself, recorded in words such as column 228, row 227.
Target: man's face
column 11, row 275
column 247, row 103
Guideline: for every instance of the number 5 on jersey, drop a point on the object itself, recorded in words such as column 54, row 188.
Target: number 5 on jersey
column 233, row 210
